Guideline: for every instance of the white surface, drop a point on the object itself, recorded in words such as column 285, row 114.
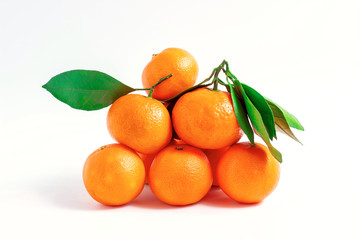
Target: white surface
column 302, row 54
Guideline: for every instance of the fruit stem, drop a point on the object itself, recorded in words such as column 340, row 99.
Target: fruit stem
column 139, row 89
column 217, row 71
column 222, row 82
column 215, row 88
column 160, row 81
column 228, row 73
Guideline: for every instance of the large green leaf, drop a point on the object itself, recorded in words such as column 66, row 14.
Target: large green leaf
column 241, row 115
column 86, row 89
column 291, row 119
column 281, row 123
column 262, row 106
column 257, row 121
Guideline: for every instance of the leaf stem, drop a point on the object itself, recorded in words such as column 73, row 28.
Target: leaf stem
column 160, row 81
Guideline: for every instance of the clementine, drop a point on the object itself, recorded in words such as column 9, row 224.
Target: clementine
column 214, row 156
column 114, row 175
column 205, row 119
column 140, row 122
column 178, row 62
column 180, row 175
column 248, row 174
column 147, row 160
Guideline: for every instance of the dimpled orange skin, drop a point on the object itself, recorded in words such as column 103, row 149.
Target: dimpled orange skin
column 147, row 160
column 114, row 175
column 180, row 175
column 214, row 156
column 205, row 119
column 140, row 122
column 248, row 174
column 178, row 62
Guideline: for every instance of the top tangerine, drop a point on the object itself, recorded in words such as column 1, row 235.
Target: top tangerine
column 178, row 62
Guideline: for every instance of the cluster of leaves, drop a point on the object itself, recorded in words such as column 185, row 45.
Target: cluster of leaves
column 92, row 90
column 254, row 113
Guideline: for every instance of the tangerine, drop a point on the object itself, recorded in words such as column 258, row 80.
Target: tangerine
column 214, row 156
column 178, row 62
column 248, row 174
column 114, row 175
column 180, row 175
column 147, row 160
column 140, row 122
column 205, row 119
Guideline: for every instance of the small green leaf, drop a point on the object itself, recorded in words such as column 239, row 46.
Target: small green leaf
column 241, row 115
column 86, row 89
column 262, row 106
column 291, row 119
column 257, row 122
column 281, row 123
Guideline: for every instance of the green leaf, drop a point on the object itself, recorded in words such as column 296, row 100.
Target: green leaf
column 291, row 119
column 86, row 89
column 241, row 115
column 257, row 122
column 262, row 106
column 281, row 123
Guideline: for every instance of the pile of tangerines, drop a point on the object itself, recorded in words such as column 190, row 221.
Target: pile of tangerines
column 181, row 154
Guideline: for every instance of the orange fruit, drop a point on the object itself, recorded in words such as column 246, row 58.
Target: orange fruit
column 214, row 156
column 140, row 122
column 248, row 174
column 178, row 62
column 180, row 175
column 147, row 160
column 205, row 119
column 114, row 175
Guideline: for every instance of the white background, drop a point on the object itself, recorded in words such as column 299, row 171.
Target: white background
column 302, row 54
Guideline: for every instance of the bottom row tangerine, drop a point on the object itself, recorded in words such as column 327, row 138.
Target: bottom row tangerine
column 180, row 174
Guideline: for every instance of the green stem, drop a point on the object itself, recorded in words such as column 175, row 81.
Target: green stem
column 160, row 81
column 227, row 79
column 222, row 82
column 216, row 74
column 228, row 73
column 141, row 89
column 215, row 88
column 211, row 75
